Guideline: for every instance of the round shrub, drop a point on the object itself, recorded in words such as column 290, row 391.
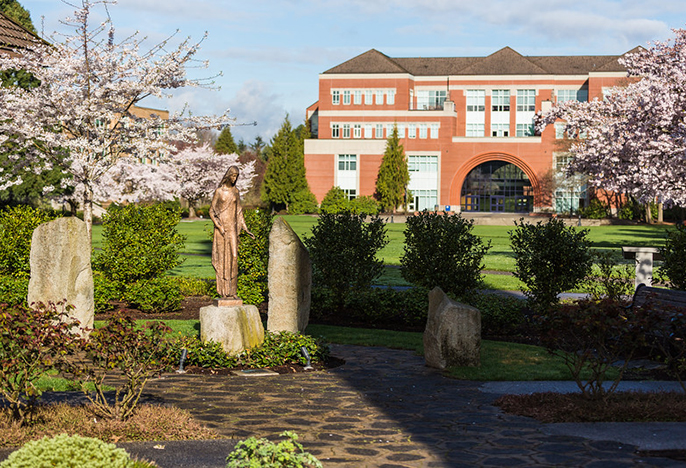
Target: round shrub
column 64, row 451
column 335, row 201
column 549, row 258
column 139, row 242
column 16, row 228
column 441, row 250
column 288, row 453
column 365, row 205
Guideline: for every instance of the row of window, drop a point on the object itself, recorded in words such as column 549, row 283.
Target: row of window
column 415, row 163
column 499, row 130
column 382, row 131
column 358, row 96
column 500, row 100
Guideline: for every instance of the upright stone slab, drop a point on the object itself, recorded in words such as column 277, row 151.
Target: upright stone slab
column 453, row 333
column 61, row 267
column 237, row 328
column 290, row 280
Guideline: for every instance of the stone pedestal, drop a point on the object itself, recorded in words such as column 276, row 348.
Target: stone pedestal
column 61, row 267
column 644, row 257
column 453, row 333
column 290, row 280
column 236, row 328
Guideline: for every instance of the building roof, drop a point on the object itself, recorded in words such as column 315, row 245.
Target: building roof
column 505, row 61
column 14, row 36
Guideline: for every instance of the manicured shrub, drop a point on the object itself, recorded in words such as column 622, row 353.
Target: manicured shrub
column 288, row 453
column 208, row 354
column 121, row 347
column 104, row 292
column 365, row 205
column 33, row 340
column 335, row 201
column 343, row 250
column 500, row 316
column 595, row 210
column 155, row 295
column 442, row 250
column 549, row 258
column 303, row 202
column 593, row 336
column 190, row 286
column 674, row 253
column 139, row 243
column 14, row 289
column 16, row 228
column 253, row 257
column 64, row 451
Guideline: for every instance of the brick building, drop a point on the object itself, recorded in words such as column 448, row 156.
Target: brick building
column 466, row 124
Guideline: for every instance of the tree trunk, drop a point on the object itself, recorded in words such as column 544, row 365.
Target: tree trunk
column 191, row 211
column 660, row 213
column 88, row 211
column 648, row 214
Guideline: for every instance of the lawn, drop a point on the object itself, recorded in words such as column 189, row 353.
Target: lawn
column 499, row 258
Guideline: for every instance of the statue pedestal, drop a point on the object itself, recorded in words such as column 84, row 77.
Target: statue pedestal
column 237, row 328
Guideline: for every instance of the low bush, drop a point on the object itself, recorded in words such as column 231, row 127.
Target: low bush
column 384, row 307
column 441, row 250
column 608, row 279
column 33, row 340
column 64, row 451
column 14, row 290
column 190, row 286
column 365, row 205
column 500, row 315
column 595, row 210
column 155, row 295
column 549, row 258
column 593, row 336
column 674, row 253
column 253, row 257
column 119, row 346
column 335, row 201
column 278, row 349
column 288, row 453
column 16, row 229
column 104, row 292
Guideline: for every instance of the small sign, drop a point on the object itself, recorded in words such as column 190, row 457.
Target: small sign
column 447, row 207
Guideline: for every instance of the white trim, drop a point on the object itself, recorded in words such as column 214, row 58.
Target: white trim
column 384, row 113
column 505, row 140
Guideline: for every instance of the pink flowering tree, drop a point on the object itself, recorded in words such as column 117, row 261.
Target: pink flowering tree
column 634, row 140
column 197, row 172
column 80, row 116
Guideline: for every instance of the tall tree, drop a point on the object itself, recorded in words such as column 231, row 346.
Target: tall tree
column 85, row 128
column 285, row 181
column 394, row 176
column 17, row 13
column 225, row 143
column 634, row 140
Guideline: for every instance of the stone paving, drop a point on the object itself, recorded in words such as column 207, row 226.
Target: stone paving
column 383, row 408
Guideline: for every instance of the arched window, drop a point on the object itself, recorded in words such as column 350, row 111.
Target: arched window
column 497, row 186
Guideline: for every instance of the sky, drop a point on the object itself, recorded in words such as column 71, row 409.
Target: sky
column 267, row 54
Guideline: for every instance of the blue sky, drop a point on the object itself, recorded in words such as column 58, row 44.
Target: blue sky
column 271, row 52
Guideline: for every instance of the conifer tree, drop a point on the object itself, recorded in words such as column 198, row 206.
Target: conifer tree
column 285, row 182
column 394, row 176
column 225, row 143
column 17, row 13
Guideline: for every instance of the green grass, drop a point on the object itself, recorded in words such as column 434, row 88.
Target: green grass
column 367, row 337
column 197, row 261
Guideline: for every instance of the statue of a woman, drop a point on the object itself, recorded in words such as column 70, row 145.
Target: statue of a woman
column 227, row 215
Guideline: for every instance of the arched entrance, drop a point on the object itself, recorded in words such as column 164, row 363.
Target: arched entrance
column 497, row 186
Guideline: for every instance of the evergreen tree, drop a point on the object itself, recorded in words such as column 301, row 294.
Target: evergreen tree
column 391, row 183
column 285, row 182
column 225, row 143
column 17, row 13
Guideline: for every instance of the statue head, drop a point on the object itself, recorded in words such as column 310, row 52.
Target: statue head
column 229, row 176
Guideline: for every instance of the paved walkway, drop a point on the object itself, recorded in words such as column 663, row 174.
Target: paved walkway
column 383, row 408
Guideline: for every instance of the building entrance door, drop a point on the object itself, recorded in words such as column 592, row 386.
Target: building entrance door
column 471, row 203
column 497, row 204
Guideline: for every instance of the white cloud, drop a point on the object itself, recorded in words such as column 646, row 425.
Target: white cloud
column 256, row 101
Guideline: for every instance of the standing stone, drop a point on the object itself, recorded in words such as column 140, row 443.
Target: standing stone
column 237, row 328
column 453, row 333
column 61, row 267
column 290, row 280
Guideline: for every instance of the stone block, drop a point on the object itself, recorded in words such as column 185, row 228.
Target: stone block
column 290, row 280
column 453, row 333
column 236, row 328
column 60, row 264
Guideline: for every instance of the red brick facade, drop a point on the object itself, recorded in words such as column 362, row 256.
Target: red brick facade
column 454, row 115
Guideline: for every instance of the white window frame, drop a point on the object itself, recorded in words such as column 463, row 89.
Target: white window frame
column 335, row 131
column 335, row 97
column 357, row 96
column 379, row 97
column 346, row 97
column 368, row 130
column 475, row 130
column 423, row 131
column 525, row 130
column 368, row 97
column 499, row 130
column 500, row 100
column 476, row 100
column 526, row 100
column 346, row 131
column 390, row 97
column 411, row 130
column 357, row 130
column 434, row 131
column 378, row 131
